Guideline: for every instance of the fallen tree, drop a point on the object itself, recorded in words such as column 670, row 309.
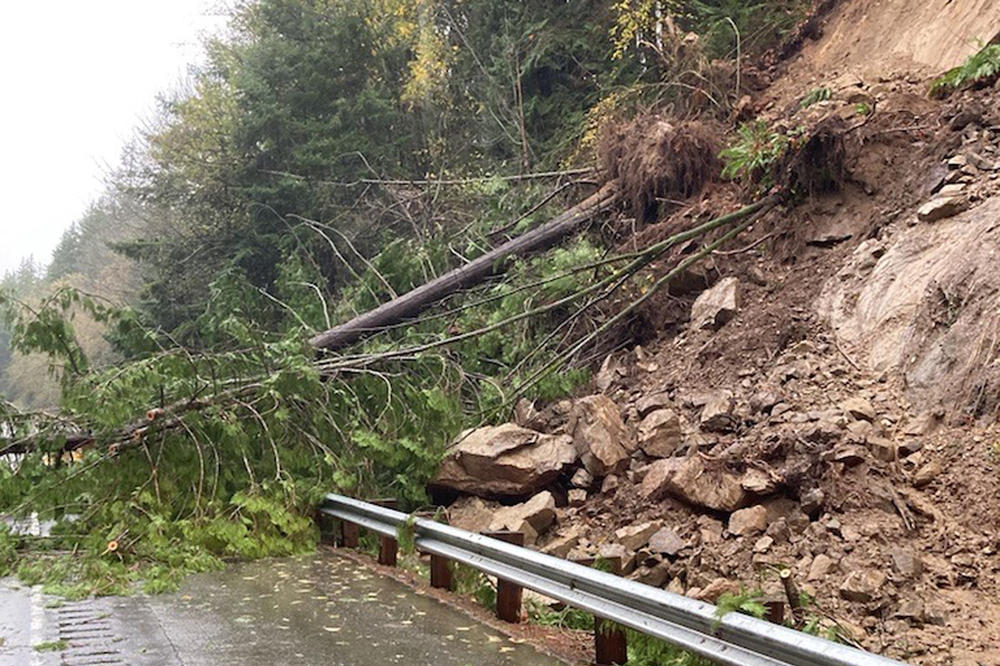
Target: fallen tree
column 409, row 305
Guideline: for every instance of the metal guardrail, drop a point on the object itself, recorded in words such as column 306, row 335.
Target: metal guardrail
column 735, row 639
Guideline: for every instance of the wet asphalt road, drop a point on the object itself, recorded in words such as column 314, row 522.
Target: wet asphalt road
column 321, row 609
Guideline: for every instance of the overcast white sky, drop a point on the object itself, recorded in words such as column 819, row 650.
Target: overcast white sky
column 78, row 76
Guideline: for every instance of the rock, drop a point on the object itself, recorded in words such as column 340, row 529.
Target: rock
column 824, row 432
column 983, row 164
column 927, row 473
column 778, row 530
column 924, row 424
column 858, row 408
column 651, row 403
column 634, row 537
column 562, row 545
column 940, row 208
column 655, row 576
column 748, row 521
column 849, row 454
column 532, row 517
column 471, row 514
column 952, row 190
column 505, row 460
column 862, row 586
column 525, row 414
column 812, row 501
column 821, row 567
column 957, row 162
column 758, row 482
column 692, row 480
column 910, row 608
column 577, row 497
column 756, row 275
column 716, row 306
column 610, row 485
column 906, row 563
column 691, row 280
column 716, row 589
column 764, row 401
column 788, row 510
column 710, row 530
column 717, row 414
column 599, row 435
column 882, row 449
column 860, row 429
column 831, row 235
column 666, row 541
column 617, row 553
column 964, row 118
column 763, row 544
column 909, row 447
column 582, row 478
column 660, row 433
column 608, row 374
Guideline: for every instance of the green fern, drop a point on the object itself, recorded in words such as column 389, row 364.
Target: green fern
column 746, row 601
column 755, row 154
column 982, row 66
column 815, row 96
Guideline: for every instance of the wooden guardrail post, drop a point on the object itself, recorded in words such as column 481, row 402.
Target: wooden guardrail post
column 327, row 528
column 350, row 534
column 610, row 640
column 441, row 573
column 388, row 547
column 441, row 569
column 509, row 594
column 610, row 643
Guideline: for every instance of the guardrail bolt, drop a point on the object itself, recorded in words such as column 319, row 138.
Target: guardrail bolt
column 508, row 594
column 388, row 547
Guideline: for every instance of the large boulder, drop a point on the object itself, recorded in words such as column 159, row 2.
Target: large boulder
column 716, row 306
column 923, row 310
column 695, row 481
column 601, row 438
column 504, row 461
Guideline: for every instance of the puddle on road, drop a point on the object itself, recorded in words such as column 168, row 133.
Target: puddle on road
column 322, row 609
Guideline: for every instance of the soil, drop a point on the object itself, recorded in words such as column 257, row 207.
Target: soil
column 883, row 501
column 936, row 498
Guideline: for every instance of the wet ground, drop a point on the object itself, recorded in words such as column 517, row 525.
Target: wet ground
column 322, row 609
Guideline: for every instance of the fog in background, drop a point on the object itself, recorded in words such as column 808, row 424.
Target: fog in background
column 78, row 78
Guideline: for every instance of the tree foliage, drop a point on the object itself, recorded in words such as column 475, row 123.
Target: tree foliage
column 329, row 155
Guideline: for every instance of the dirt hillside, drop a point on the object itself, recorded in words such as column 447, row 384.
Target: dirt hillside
column 822, row 396
column 920, row 36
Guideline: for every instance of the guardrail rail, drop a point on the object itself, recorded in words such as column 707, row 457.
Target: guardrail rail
column 735, row 638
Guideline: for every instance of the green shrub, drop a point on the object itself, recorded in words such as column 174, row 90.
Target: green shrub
column 756, row 153
column 981, row 67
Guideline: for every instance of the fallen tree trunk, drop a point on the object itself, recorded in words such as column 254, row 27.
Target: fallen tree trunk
column 412, row 303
